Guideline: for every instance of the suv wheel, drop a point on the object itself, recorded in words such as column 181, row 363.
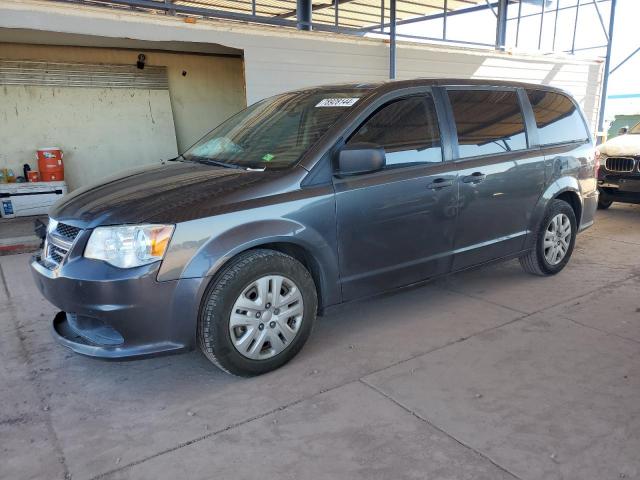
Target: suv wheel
column 603, row 202
column 555, row 239
column 258, row 313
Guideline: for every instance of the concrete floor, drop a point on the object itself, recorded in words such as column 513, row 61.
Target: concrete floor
column 17, row 235
column 490, row 374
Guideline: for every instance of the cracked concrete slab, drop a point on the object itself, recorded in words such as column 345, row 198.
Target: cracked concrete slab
column 350, row 432
column 28, row 444
column 103, row 416
column 543, row 397
column 118, row 407
column 613, row 309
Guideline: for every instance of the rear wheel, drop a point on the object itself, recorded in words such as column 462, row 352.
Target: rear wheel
column 555, row 240
column 258, row 313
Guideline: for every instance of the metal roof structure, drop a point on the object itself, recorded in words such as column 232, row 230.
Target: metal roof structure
column 383, row 18
column 351, row 13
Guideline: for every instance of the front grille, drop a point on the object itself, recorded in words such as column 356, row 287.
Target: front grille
column 67, row 231
column 620, row 164
column 56, row 253
column 59, row 242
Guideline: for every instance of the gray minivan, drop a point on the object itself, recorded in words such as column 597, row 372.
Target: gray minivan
column 309, row 199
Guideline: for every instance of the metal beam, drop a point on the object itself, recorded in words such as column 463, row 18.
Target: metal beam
column 555, row 27
column 212, row 13
column 604, row 30
column 518, row 23
column 501, row 24
column 392, row 40
column 541, row 25
column 607, row 65
column 575, row 28
column 624, row 61
column 314, row 7
column 444, row 20
column 432, row 16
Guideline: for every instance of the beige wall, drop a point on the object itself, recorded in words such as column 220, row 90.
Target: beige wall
column 211, row 91
column 101, row 130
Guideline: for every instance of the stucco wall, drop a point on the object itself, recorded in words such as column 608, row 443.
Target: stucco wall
column 211, row 90
column 108, row 130
column 101, row 130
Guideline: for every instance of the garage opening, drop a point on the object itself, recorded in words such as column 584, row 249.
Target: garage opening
column 131, row 107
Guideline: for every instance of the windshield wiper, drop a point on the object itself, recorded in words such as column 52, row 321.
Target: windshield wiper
column 217, row 163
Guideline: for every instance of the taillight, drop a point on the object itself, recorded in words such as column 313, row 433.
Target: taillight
column 596, row 163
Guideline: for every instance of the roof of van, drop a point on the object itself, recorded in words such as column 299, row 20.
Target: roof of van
column 390, row 85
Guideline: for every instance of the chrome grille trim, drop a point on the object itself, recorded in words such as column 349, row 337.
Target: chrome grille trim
column 67, row 231
column 620, row 164
column 58, row 243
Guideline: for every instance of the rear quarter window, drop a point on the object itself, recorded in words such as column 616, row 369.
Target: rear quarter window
column 557, row 117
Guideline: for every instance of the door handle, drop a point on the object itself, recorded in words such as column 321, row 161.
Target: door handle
column 439, row 183
column 475, row 177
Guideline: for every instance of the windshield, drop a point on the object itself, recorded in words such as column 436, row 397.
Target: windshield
column 275, row 132
column 635, row 129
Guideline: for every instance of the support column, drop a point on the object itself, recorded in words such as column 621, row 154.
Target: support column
column 392, row 39
column 501, row 24
column 607, row 65
column 303, row 13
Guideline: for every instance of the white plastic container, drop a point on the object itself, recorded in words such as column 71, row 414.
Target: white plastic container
column 34, row 198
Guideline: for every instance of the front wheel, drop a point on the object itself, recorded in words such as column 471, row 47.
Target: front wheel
column 258, row 313
column 603, row 202
column 555, row 240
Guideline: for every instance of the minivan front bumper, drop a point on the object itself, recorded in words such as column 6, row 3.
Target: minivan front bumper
column 115, row 313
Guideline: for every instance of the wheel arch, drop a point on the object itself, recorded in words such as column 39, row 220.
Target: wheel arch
column 306, row 257
column 565, row 188
column 300, row 252
column 206, row 259
column 573, row 199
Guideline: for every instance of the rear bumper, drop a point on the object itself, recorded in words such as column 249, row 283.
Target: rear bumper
column 114, row 313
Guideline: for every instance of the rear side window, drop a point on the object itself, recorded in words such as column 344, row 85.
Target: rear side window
column 407, row 129
column 487, row 121
column 557, row 118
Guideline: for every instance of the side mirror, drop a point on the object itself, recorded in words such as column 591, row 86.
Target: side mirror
column 360, row 158
column 623, row 130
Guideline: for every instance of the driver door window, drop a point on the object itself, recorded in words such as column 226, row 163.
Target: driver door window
column 407, row 129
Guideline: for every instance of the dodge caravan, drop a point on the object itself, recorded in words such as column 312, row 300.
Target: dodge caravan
column 309, row 199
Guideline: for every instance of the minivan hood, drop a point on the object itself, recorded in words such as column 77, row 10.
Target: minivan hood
column 628, row 144
column 166, row 193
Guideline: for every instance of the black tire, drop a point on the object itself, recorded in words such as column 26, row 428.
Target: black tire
column 604, row 202
column 535, row 261
column 214, row 334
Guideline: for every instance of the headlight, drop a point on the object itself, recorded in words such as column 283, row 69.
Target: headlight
column 129, row 246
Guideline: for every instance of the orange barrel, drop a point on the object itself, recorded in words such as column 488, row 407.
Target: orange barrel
column 50, row 164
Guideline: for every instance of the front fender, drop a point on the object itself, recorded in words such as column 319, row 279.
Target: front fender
column 199, row 248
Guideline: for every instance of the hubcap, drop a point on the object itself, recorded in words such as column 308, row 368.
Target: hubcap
column 266, row 317
column 557, row 238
